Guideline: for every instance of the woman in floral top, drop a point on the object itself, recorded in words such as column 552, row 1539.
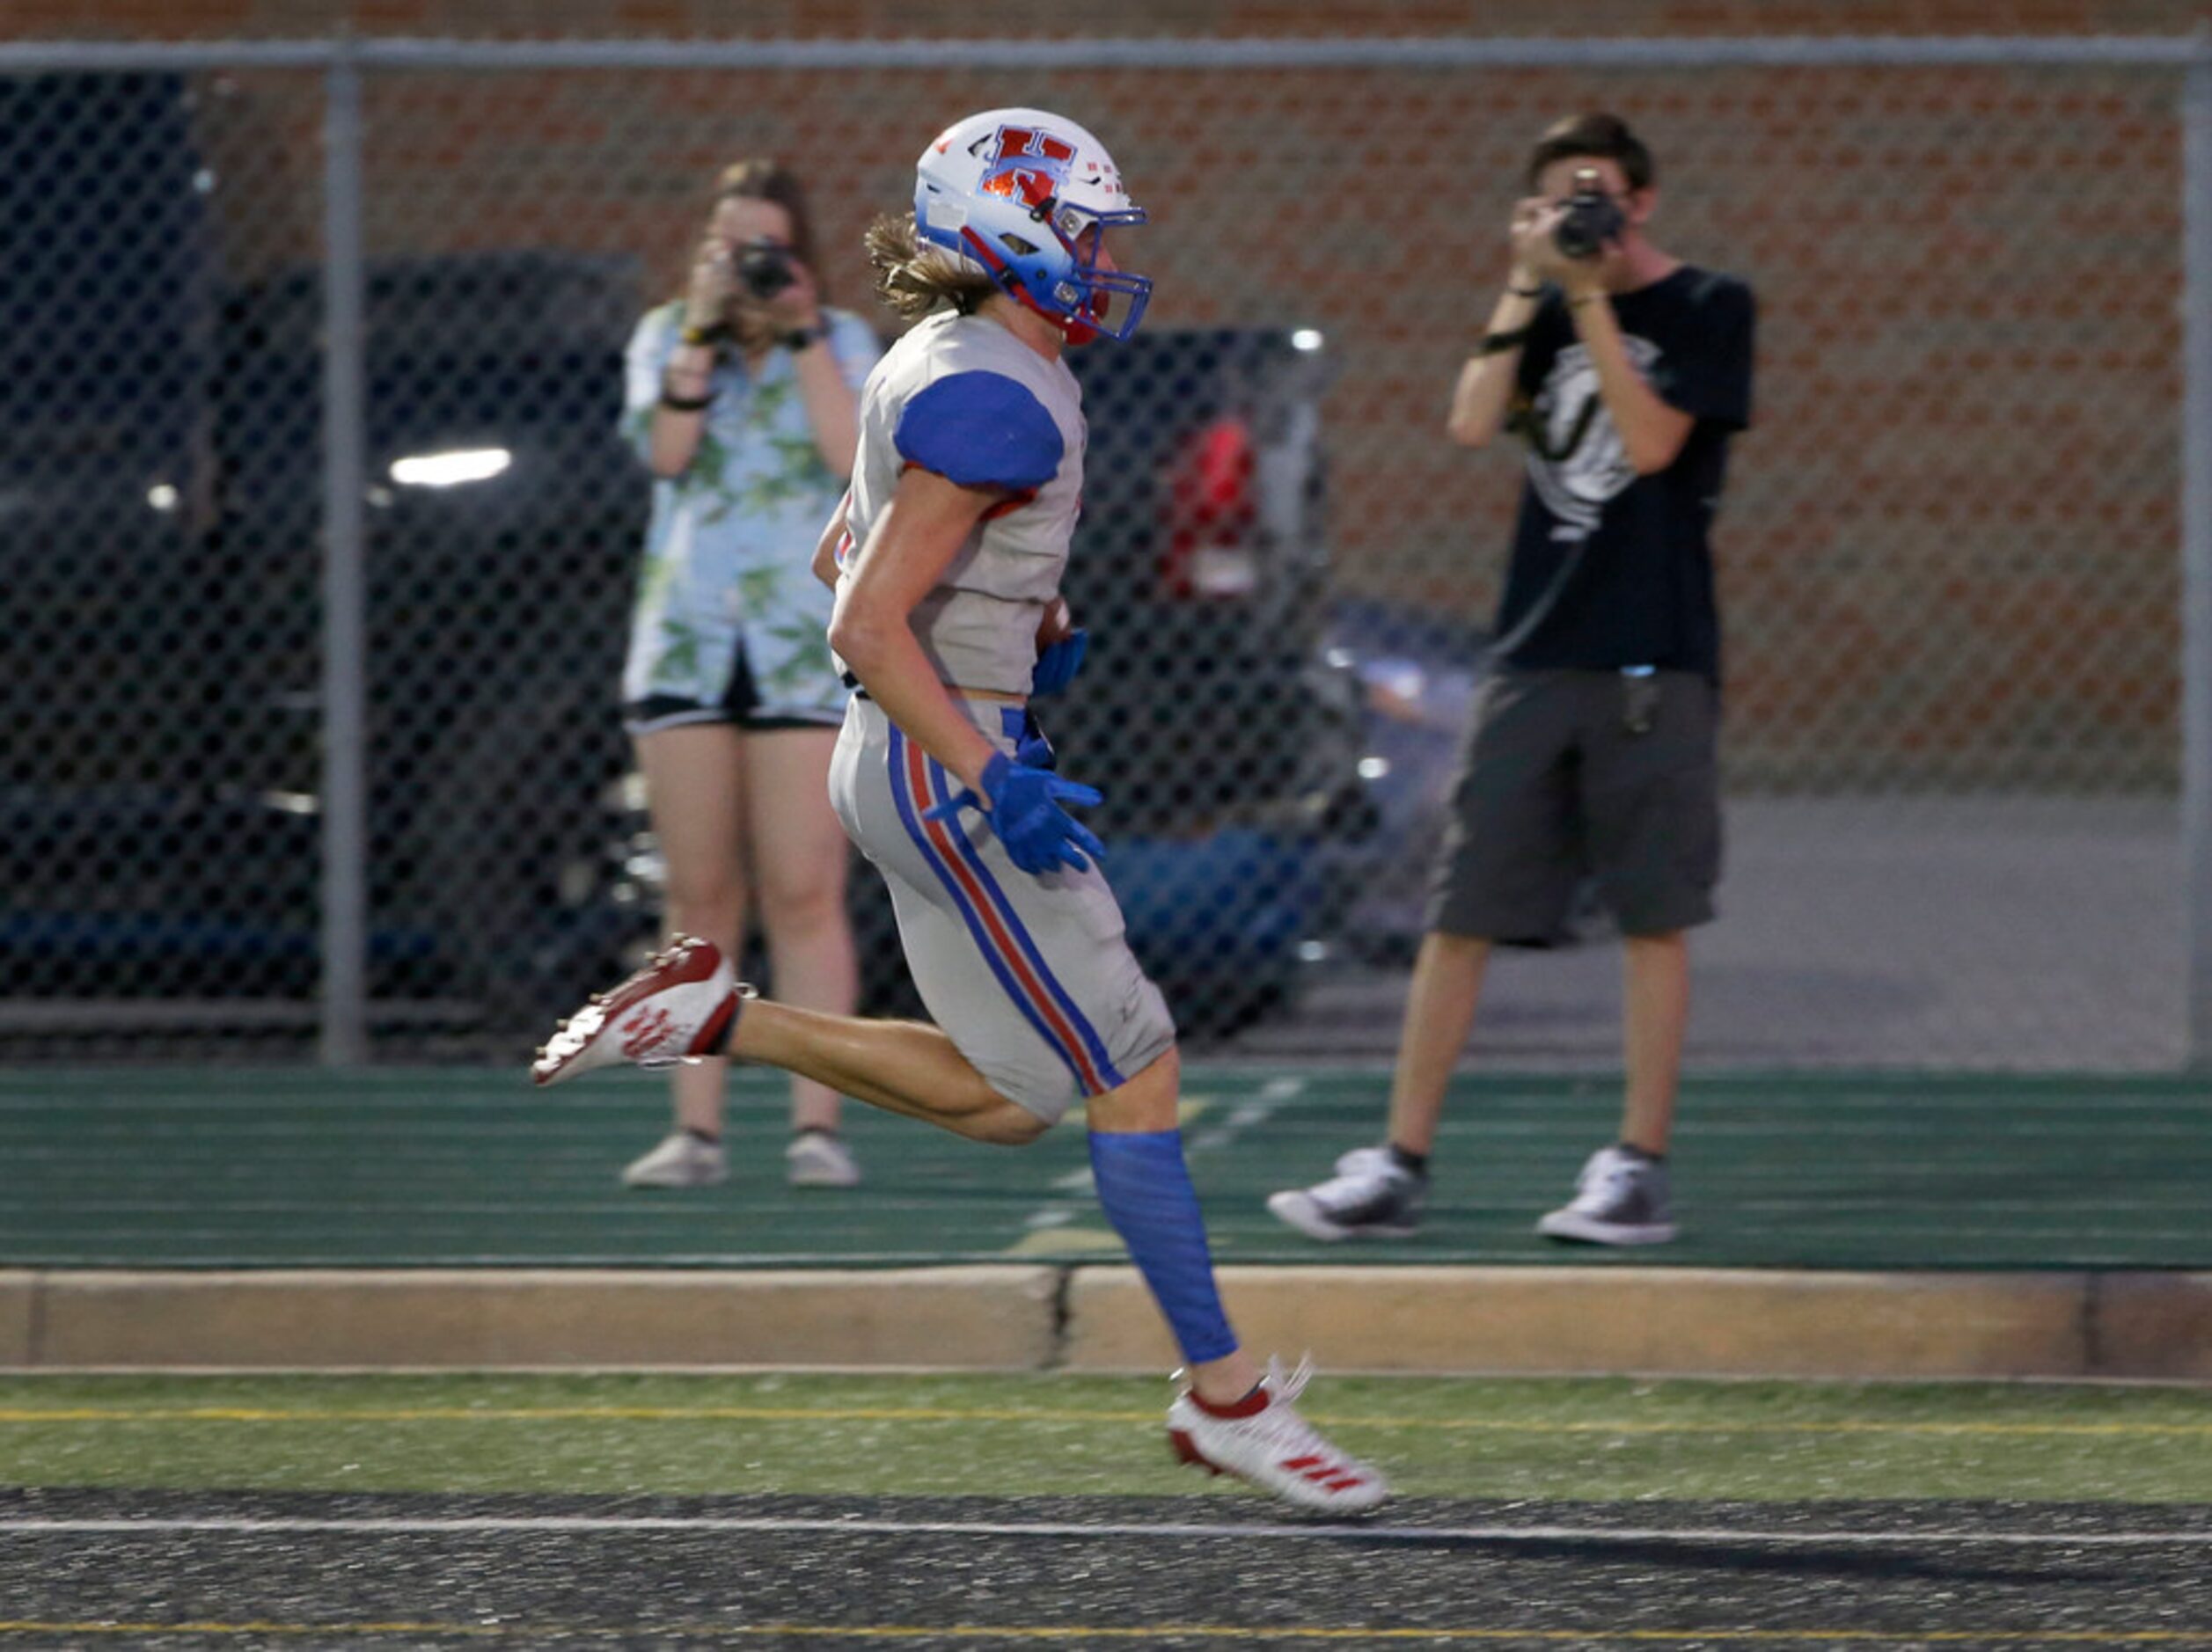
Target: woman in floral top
column 742, row 399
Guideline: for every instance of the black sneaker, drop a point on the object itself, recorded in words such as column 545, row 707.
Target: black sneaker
column 1370, row 1195
column 1620, row 1199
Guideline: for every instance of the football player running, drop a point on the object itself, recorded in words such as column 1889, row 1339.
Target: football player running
column 947, row 557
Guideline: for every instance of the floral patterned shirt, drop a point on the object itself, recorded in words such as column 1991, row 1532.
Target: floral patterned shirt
column 725, row 569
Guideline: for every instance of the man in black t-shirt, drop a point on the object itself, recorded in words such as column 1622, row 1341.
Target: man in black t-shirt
column 1625, row 372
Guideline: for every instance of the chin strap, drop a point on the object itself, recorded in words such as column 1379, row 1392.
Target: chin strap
column 1076, row 330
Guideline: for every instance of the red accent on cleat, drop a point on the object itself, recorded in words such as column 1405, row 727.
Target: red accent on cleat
column 1250, row 1406
column 679, row 1006
column 646, row 1031
column 1186, row 1451
column 714, row 1038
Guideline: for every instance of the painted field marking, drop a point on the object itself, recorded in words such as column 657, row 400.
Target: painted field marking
column 404, row 1526
column 42, row 1415
column 1143, row 1633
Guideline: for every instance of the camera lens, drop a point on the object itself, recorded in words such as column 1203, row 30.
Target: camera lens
column 1591, row 218
column 765, row 269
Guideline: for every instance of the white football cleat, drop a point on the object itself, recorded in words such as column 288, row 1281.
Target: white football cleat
column 1275, row 1448
column 682, row 1006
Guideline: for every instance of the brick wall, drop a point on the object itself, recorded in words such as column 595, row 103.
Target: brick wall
column 1950, row 545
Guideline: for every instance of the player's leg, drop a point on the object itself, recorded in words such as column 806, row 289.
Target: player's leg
column 799, row 855
column 1144, row 1187
column 695, row 793
column 1059, row 1007
column 686, row 1005
column 1232, row 1418
column 1508, row 865
column 905, row 1067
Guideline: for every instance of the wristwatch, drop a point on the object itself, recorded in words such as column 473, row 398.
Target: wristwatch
column 799, row 338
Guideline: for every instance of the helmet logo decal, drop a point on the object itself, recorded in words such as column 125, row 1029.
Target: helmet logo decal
column 1026, row 165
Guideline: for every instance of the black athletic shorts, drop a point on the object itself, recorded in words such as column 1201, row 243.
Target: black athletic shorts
column 740, row 706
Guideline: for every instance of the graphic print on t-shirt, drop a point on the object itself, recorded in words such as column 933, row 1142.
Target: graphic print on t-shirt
column 1581, row 461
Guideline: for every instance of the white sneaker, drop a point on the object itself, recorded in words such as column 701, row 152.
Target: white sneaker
column 1372, row 1196
column 682, row 1006
column 1620, row 1199
column 820, row 1159
column 1275, row 1448
column 683, row 1160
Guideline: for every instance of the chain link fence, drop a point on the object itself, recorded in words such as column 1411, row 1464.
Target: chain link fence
column 1950, row 552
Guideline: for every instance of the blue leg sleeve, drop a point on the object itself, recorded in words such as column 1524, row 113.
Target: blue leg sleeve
column 1144, row 1188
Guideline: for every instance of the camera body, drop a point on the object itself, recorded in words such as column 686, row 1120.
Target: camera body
column 1590, row 218
column 764, row 268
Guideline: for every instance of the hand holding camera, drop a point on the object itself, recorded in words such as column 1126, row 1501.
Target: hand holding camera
column 712, row 284
column 772, row 278
column 1588, row 220
column 1565, row 241
column 761, row 275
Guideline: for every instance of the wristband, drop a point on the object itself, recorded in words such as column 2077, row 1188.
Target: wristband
column 719, row 333
column 686, row 404
column 1524, row 292
column 799, row 338
column 1498, row 343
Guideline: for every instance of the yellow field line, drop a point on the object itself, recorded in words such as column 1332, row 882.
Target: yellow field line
column 1148, row 1632
column 894, row 1413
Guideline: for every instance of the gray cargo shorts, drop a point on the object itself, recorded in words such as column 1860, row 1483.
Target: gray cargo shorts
column 1571, row 774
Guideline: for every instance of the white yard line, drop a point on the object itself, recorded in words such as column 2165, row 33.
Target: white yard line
column 567, row 1525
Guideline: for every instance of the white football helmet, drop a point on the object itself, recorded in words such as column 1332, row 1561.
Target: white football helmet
column 1025, row 195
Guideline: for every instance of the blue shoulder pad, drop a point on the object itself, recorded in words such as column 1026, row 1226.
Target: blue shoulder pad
column 980, row 430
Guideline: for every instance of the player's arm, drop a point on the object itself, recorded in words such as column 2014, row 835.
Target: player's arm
column 1487, row 382
column 824, row 566
column 929, row 521
column 1651, row 432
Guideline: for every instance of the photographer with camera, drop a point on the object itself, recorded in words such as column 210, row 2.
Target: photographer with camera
column 743, row 398
column 1625, row 372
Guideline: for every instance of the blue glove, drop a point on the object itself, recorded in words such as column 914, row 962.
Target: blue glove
column 1025, row 811
column 1056, row 666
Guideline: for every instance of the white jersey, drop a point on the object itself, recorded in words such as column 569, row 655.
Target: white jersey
column 963, row 397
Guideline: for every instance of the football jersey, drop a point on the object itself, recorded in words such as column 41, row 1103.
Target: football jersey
column 962, row 396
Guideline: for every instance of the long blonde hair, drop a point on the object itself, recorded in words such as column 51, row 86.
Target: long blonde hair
column 913, row 278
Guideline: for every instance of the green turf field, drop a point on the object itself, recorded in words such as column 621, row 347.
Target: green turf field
column 1596, row 1439
column 214, row 1168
